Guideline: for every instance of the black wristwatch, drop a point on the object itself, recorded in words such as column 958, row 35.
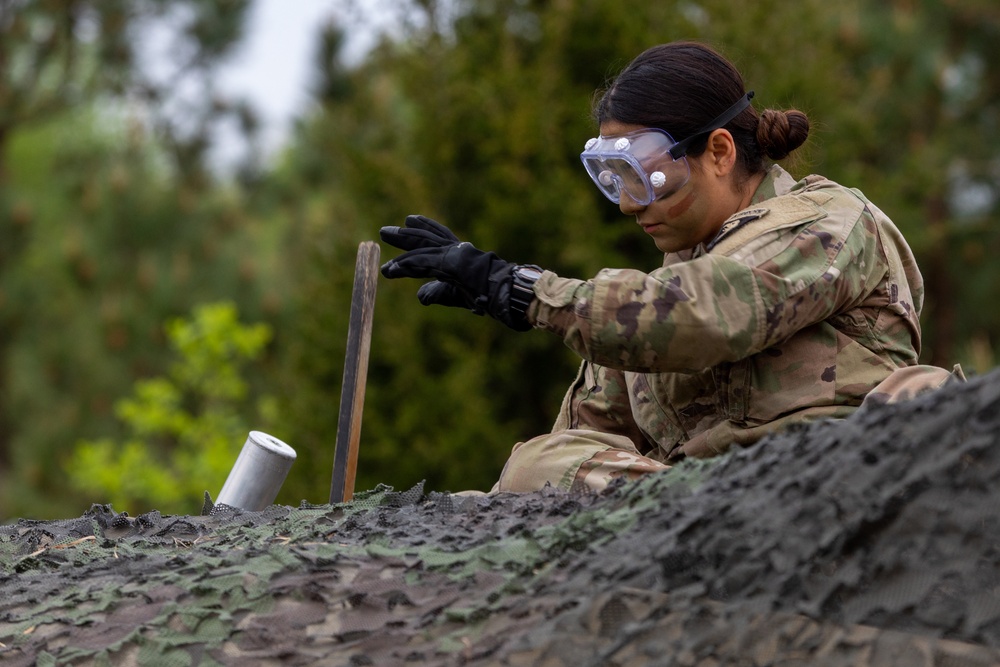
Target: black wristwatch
column 522, row 291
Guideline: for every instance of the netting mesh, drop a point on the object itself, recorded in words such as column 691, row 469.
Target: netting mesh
column 869, row 541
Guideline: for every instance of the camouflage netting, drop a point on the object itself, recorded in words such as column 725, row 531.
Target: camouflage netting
column 874, row 540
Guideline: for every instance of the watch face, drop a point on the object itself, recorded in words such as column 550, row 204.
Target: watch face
column 529, row 273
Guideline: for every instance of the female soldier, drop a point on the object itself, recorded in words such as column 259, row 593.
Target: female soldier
column 778, row 301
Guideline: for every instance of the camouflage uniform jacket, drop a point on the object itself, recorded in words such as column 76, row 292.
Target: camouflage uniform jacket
column 802, row 304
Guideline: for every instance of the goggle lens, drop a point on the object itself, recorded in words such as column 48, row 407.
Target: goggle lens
column 637, row 164
column 647, row 164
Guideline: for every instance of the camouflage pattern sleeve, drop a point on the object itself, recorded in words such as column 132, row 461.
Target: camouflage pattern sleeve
column 819, row 254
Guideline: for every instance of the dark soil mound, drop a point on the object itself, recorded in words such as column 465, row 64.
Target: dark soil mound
column 873, row 540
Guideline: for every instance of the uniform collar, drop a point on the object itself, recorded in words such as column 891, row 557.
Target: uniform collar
column 776, row 182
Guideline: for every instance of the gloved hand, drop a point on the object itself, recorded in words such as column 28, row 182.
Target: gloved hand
column 422, row 232
column 465, row 276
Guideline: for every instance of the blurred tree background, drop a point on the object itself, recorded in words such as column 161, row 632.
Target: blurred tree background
column 113, row 221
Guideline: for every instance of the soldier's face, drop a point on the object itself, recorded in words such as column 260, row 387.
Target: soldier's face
column 684, row 218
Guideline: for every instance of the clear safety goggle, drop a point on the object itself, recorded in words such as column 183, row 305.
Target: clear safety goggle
column 646, row 164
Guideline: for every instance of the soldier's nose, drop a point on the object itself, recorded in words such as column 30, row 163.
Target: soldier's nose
column 628, row 206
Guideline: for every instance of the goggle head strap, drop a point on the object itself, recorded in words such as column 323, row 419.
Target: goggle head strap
column 679, row 150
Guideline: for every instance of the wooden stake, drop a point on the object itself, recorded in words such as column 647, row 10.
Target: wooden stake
column 352, row 396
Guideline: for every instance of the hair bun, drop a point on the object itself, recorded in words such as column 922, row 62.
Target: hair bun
column 781, row 132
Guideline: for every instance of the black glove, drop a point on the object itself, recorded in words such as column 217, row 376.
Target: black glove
column 464, row 276
column 422, row 232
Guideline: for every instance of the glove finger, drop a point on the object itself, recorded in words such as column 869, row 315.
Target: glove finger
column 433, row 226
column 443, row 294
column 419, row 263
column 411, row 239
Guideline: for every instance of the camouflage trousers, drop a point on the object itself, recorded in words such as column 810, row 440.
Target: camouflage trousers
column 573, row 459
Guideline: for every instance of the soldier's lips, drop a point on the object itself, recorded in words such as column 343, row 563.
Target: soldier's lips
column 650, row 227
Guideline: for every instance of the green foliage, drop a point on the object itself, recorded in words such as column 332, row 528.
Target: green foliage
column 186, row 428
column 109, row 218
column 114, row 245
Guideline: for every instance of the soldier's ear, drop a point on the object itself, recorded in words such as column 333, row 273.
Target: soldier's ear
column 720, row 153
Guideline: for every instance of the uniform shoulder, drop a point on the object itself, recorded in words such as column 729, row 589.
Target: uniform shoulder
column 822, row 189
column 772, row 223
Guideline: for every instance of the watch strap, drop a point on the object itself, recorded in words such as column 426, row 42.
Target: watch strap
column 522, row 291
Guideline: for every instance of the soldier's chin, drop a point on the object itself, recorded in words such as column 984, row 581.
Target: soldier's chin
column 668, row 245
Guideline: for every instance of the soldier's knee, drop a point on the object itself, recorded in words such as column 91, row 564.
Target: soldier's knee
column 532, row 464
column 911, row 381
column 552, row 459
column 556, row 458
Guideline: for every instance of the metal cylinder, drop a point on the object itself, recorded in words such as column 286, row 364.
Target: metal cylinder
column 258, row 473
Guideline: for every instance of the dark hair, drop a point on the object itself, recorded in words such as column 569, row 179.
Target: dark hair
column 680, row 87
